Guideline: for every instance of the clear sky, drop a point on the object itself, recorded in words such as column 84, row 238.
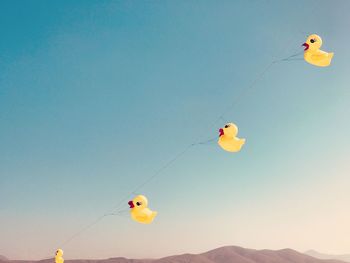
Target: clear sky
column 97, row 95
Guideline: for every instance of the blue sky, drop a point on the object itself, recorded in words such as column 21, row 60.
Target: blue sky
column 97, row 95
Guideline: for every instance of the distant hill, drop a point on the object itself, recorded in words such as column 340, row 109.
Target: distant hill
column 3, row 258
column 315, row 254
column 230, row 254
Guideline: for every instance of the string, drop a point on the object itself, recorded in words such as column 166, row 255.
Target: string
column 85, row 228
column 123, row 200
column 181, row 153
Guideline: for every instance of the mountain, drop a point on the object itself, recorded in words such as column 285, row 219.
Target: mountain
column 316, row 254
column 3, row 258
column 229, row 254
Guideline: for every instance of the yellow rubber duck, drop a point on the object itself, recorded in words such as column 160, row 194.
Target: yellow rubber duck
column 139, row 210
column 313, row 54
column 228, row 140
column 58, row 256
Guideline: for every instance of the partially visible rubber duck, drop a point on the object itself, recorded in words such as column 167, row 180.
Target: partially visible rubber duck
column 58, row 256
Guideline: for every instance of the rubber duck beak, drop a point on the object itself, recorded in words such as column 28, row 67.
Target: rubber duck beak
column 221, row 132
column 131, row 204
column 306, row 46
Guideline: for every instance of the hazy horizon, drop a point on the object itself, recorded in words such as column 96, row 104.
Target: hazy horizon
column 95, row 96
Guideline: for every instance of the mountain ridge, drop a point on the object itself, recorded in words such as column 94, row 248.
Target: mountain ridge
column 316, row 254
column 226, row 254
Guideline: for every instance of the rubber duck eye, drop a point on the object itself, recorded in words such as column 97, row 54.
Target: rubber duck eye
column 312, row 40
column 226, row 126
column 138, row 203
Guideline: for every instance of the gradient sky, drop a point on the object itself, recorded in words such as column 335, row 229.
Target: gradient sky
column 97, row 95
